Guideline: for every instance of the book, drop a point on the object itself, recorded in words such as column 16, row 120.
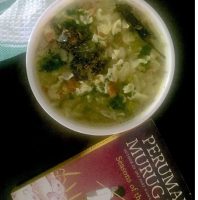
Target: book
column 132, row 165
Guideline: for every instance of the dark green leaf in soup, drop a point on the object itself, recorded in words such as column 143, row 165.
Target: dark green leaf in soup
column 117, row 103
column 126, row 12
column 69, row 39
column 83, row 68
column 75, row 12
column 87, row 61
column 145, row 34
column 76, row 39
column 145, row 51
column 51, row 62
column 73, row 34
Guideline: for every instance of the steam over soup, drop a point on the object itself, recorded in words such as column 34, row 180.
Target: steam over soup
column 100, row 62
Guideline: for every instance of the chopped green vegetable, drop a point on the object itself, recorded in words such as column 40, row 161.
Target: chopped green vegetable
column 126, row 13
column 135, row 24
column 117, row 103
column 51, row 62
column 84, row 64
column 144, row 67
column 145, row 51
column 87, row 55
column 75, row 12
column 73, row 35
column 82, row 29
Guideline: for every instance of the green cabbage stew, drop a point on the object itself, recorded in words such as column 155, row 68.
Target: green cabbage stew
column 100, row 62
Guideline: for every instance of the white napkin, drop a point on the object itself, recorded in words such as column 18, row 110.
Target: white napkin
column 17, row 18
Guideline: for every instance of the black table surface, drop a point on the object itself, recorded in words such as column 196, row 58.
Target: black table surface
column 31, row 142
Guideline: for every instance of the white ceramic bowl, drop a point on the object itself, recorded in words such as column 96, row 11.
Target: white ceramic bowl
column 73, row 125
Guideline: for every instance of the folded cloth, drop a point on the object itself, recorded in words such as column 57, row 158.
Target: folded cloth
column 17, row 18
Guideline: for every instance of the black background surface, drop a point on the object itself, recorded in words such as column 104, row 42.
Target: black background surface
column 30, row 142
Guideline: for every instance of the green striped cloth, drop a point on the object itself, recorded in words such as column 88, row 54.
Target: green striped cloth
column 17, row 18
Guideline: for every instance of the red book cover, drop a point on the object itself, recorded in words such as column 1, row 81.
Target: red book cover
column 133, row 165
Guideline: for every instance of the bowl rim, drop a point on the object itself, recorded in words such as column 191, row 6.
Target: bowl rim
column 48, row 14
